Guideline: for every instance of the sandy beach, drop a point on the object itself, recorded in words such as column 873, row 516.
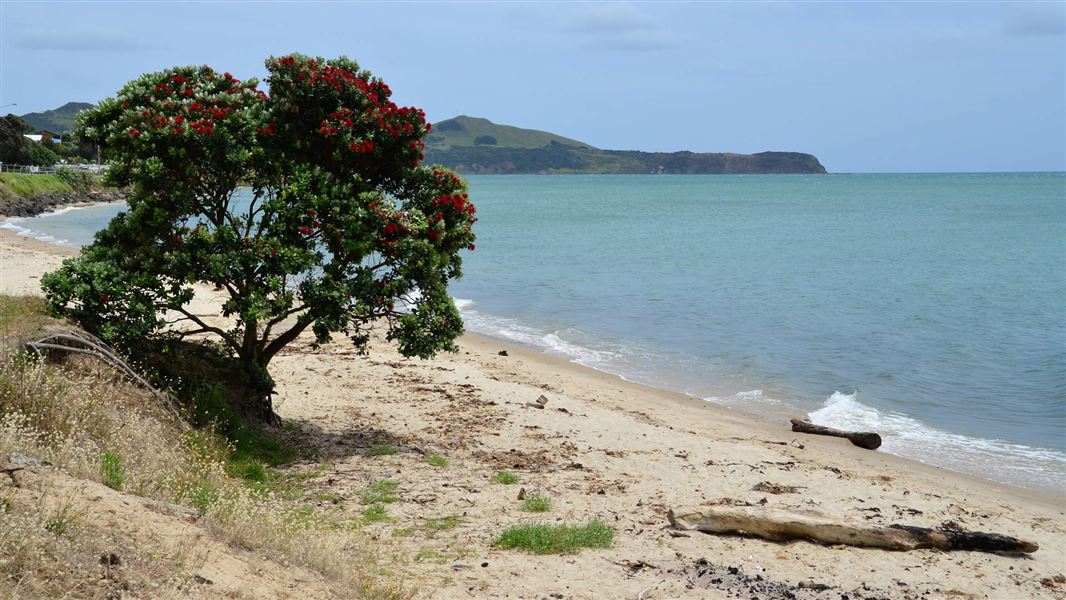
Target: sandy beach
column 603, row 448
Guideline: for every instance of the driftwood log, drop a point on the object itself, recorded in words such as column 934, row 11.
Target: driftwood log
column 862, row 439
column 779, row 525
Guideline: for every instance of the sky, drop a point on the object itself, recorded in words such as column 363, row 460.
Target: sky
column 865, row 87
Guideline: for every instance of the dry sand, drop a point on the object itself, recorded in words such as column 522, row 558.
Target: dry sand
column 607, row 449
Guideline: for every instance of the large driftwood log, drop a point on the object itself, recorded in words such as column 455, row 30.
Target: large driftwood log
column 863, row 439
column 779, row 525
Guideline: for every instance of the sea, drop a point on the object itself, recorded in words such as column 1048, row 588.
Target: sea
column 930, row 308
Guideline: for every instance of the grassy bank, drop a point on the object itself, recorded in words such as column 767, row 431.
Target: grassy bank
column 245, row 491
column 24, row 184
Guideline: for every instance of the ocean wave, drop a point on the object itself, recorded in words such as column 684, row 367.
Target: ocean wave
column 906, row 436
column 13, row 226
column 552, row 342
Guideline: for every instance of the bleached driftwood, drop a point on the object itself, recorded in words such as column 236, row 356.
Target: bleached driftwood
column 863, row 439
column 779, row 525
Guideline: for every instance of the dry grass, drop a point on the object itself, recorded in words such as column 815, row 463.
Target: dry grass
column 91, row 424
column 48, row 550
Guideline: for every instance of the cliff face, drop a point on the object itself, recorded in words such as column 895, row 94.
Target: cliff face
column 561, row 159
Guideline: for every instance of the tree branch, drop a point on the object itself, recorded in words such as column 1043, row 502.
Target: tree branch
column 208, row 328
column 282, row 340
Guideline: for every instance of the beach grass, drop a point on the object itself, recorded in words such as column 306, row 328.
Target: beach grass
column 437, row 460
column 536, row 503
column 543, row 538
column 380, row 492
column 382, row 450
column 505, row 477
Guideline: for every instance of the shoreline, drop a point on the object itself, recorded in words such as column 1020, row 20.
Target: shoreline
column 763, row 423
column 489, row 345
column 603, row 448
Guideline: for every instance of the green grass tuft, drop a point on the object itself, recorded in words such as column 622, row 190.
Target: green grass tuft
column 442, row 523
column 384, row 450
column 437, row 460
column 375, row 514
column 505, row 477
column 542, row 538
column 379, row 492
column 537, row 503
column 112, row 470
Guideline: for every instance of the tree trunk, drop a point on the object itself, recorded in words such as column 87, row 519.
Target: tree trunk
column 779, row 525
column 863, row 439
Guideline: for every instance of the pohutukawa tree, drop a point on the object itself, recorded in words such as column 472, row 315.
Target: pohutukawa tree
column 307, row 206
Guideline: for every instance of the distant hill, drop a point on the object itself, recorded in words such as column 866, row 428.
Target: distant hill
column 474, row 145
column 465, row 132
column 59, row 120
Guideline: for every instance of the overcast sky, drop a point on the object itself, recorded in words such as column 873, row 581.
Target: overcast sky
column 917, row 86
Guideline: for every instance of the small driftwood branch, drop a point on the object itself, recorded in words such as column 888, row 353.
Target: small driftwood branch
column 778, row 525
column 86, row 343
column 862, row 439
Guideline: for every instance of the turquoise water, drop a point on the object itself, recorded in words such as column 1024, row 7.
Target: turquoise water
column 931, row 308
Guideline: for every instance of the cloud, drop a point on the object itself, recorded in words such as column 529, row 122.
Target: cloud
column 1050, row 22
column 83, row 40
column 619, row 26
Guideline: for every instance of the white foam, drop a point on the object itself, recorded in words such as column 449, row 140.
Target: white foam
column 553, row 342
column 12, row 225
column 463, row 303
column 743, row 400
column 905, row 436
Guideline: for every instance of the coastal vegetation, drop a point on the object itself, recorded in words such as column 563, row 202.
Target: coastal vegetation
column 543, row 538
column 23, row 185
column 345, row 227
column 76, row 420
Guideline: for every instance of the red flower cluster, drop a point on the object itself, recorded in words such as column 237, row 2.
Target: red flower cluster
column 444, row 176
column 305, row 230
column 203, row 126
column 460, row 202
column 134, row 132
column 363, row 147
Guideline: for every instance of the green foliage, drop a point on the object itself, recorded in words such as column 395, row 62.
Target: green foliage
column 505, row 477
column 79, row 180
column 340, row 227
column 382, row 450
column 112, row 470
column 13, row 146
column 376, row 514
column 542, row 538
column 437, row 460
column 39, row 154
column 204, row 496
column 484, row 140
column 379, row 492
column 434, row 524
column 536, row 503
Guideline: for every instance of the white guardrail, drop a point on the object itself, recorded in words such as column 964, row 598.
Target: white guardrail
column 10, row 168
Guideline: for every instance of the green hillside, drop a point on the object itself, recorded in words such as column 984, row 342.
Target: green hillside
column 469, row 132
column 59, row 120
